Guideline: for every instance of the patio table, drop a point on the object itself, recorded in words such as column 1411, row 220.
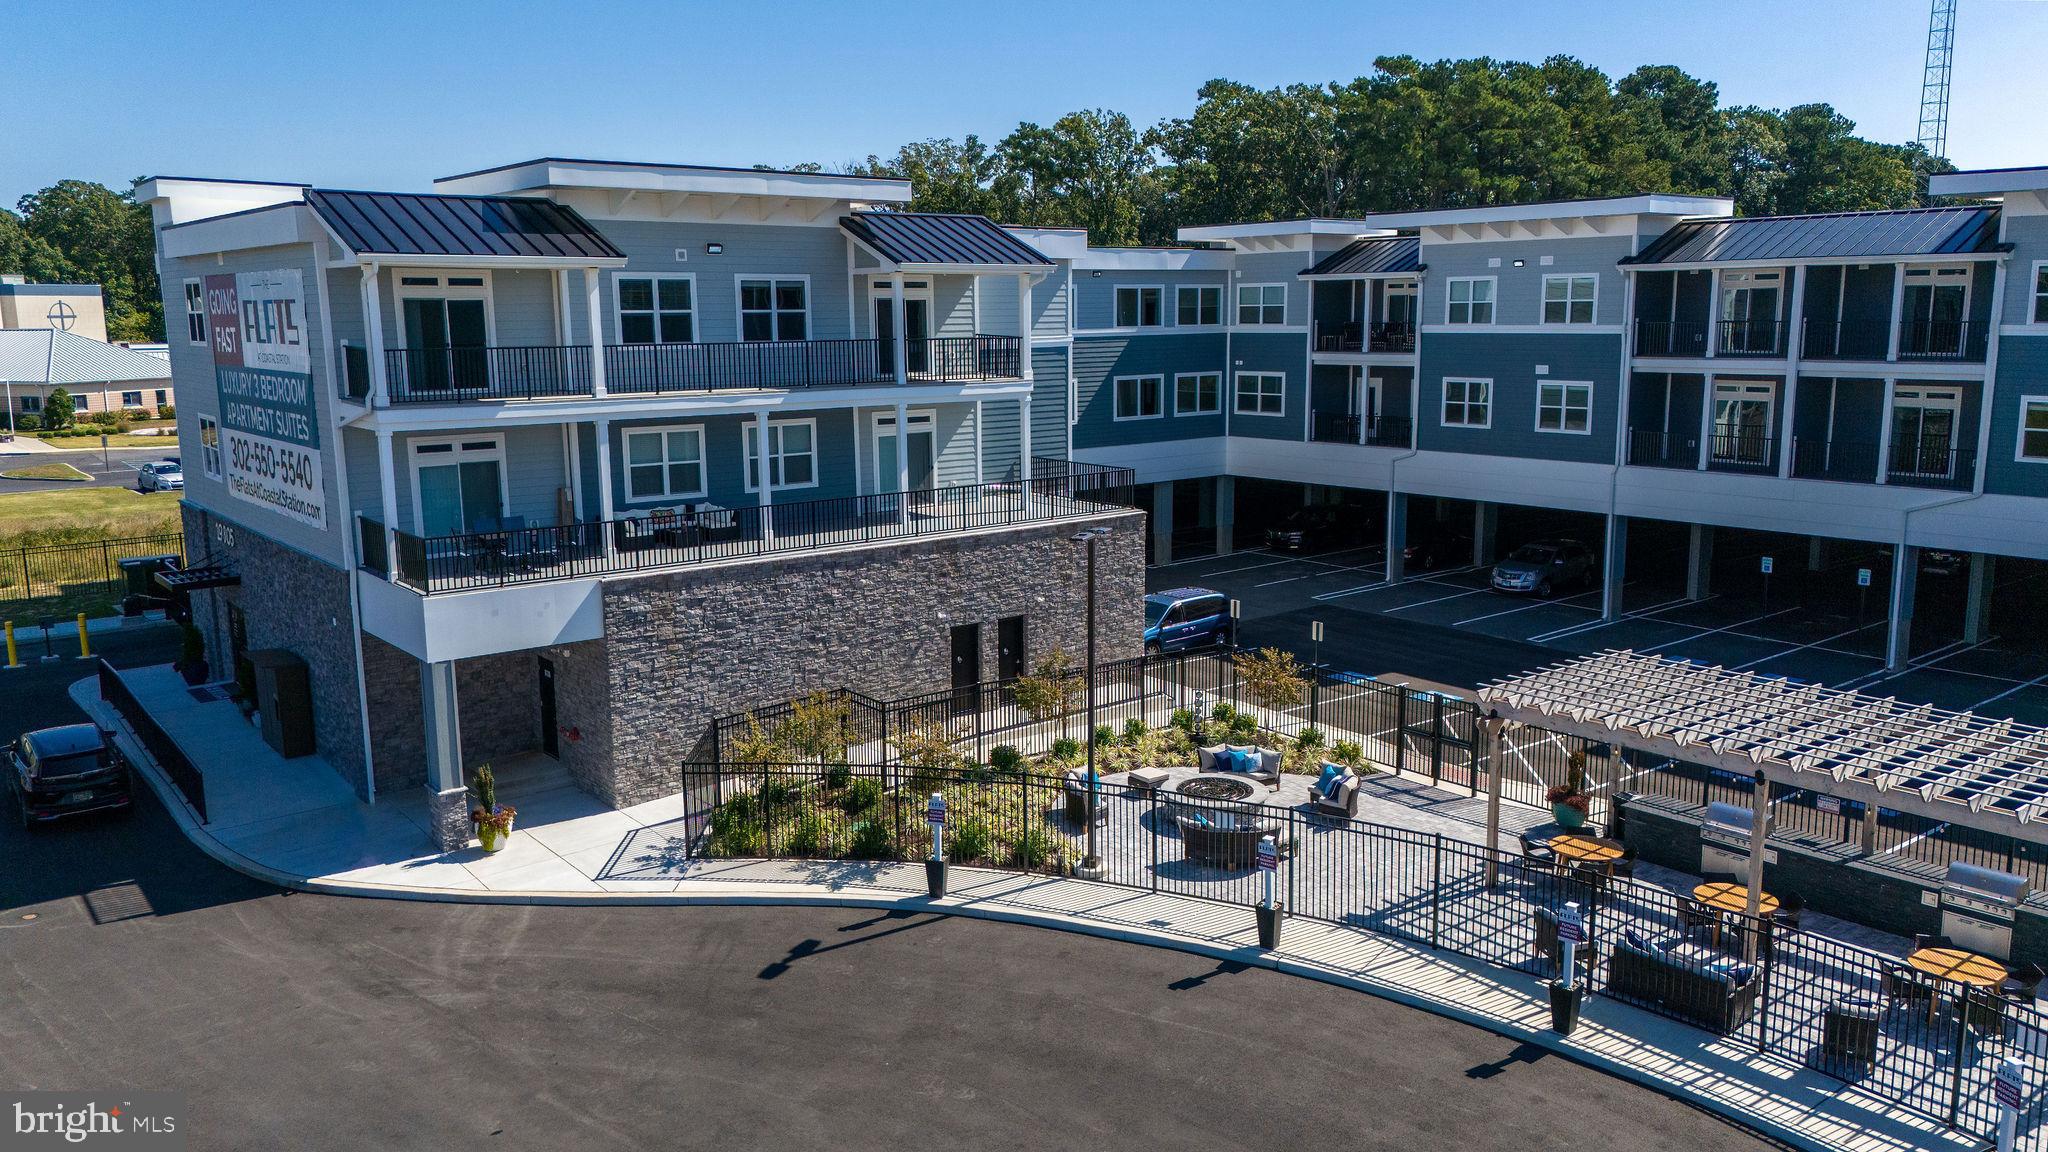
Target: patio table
column 1586, row 849
column 1957, row 967
column 1726, row 897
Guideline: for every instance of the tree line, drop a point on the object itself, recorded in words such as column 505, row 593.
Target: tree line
column 79, row 232
column 1410, row 135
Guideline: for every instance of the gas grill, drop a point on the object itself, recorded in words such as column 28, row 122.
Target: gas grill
column 1724, row 841
column 1978, row 906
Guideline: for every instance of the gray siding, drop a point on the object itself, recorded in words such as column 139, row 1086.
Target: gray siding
column 1519, row 291
column 2022, row 371
column 1095, row 296
column 1273, row 268
column 1050, row 302
column 1510, row 360
column 750, row 250
column 2029, row 237
column 1050, row 422
column 1098, row 361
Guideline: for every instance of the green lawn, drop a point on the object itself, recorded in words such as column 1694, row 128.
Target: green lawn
column 46, row 472
column 73, row 515
column 114, row 440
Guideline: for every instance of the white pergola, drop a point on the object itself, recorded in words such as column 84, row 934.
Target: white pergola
column 1975, row 771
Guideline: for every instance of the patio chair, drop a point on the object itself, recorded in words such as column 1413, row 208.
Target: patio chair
column 1930, row 940
column 1537, row 854
column 1904, row 984
column 2023, row 985
column 1984, row 1012
column 1694, row 916
column 528, row 547
column 1625, row 868
column 1786, row 919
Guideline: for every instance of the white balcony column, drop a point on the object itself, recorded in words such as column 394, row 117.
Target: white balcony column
column 1905, row 591
column 898, row 352
column 1713, row 311
column 1884, row 432
column 593, row 288
column 902, row 449
column 1024, row 369
column 373, row 326
column 1614, row 575
column 604, row 486
column 447, row 795
column 563, row 315
column 1795, row 346
column 761, row 472
column 387, row 478
column 1706, row 421
column 1898, row 311
column 1024, row 446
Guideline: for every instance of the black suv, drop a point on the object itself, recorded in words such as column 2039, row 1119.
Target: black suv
column 64, row 772
column 1317, row 529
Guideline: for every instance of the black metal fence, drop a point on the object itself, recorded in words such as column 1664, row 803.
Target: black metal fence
column 63, row 579
column 165, row 750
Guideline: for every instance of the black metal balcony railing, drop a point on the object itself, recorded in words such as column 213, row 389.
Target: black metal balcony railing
column 1740, row 452
column 1941, row 340
column 1389, row 432
column 1398, row 336
column 456, row 375
column 1671, row 338
column 355, row 373
column 1931, row 463
column 1650, row 448
column 1762, row 337
column 1349, row 428
column 1844, row 340
column 528, row 555
column 1848, row 461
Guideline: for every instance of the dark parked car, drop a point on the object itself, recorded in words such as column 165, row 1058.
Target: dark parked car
column 1182, row 618
column 1435, row 544
column 66, row 771
column 1544, row 567
column 1937, row 562
column 1317, row 529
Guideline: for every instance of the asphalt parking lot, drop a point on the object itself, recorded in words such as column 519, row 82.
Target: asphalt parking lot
column 113, row 469
column 1448, row 626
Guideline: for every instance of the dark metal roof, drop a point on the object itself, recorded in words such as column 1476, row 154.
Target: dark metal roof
column 1367, row 257
column 939, row 238
column 411, row 224
column 1905, row 232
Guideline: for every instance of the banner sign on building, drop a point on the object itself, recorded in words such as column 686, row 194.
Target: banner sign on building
column 270, row 423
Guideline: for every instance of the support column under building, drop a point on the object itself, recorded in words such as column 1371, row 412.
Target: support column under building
column 1485, row 522
column 1226, row 513
column 1699, row 561
column 1816, row 553
column 1162, row 522
column 447, row 793
column 1905, row 588
column 1616, row 559
column 1397, row 535
column 1977, row 609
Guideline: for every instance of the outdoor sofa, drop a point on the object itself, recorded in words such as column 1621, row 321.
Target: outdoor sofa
column 1719, row 1001
column 1267, row 773
column 1222, row 839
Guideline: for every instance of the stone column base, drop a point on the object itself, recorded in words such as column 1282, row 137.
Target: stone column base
column 450, row 813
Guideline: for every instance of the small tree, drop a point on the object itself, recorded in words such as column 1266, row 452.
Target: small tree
column 57, row 410
column 815, row 730
column 1272, row 677
column 1052, row 689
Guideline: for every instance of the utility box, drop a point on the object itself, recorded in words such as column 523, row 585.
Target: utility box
column 284, row 701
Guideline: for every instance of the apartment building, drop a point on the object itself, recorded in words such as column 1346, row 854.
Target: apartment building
column 1648, row 364
column 572, row 456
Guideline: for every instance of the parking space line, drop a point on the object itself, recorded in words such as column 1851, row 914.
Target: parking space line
column 1924, row 662
column 1564, row 603
column 1638, row 614
column 1725, row 628
column 1437, row 599
column 1333, row 569
column 1212, row 557
column 1340, row 593
column 2007, row 692
column 1804, row 647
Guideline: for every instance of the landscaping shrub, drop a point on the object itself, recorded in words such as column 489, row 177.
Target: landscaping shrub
column 27, row 422
column 1348, row 753
column 1066, row 750
column 167, row 411
column 1272, row 677
column 837, row 776
column 969, row 841
column 1134, row 730
column 871, row 841
column 1223, row 714
column 808, row 836
column 1310, row 738
column 1032, row 848
column 735, row 831
column 861, row 795
column 1052, row 688
column 1006, row 760
column 1105, row 736
column 1244, row 728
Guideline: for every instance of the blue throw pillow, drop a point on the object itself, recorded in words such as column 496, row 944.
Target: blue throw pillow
column 1239, row 762
column 1331, row 784
column 1740, row 973
column 1201, row 821
column 1329, row 771
column 1639, row 942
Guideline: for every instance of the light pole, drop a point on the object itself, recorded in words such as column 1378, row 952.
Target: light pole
column 1091, row 865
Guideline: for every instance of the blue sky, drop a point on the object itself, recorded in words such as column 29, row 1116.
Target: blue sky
column 368, row 94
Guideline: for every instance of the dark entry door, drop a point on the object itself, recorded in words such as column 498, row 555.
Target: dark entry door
column 966, row 665
column 1010, row 658
column 917, row 323
column 550, row 741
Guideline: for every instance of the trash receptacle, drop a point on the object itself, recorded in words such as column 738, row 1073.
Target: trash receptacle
column 1849, row 1037
column 141, row 571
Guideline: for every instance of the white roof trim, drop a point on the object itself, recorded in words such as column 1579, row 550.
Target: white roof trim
column 1660, row 204
column 1990, row 182
column 541, row 175
column 1156, row 259
column 1317, row 226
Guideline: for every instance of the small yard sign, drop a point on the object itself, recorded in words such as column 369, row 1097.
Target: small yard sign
column 1828, row 803
column 935, row 813
column 1269, row 856
column 2010, row 1084
column 1571, row 927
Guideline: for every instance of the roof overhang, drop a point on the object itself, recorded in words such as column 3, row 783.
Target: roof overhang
column 1156, row 260
column 1990, row 183
column 1315, row 226
column 480, row 417
column 536, row 176
column 1999, row 253
column 1656, row 204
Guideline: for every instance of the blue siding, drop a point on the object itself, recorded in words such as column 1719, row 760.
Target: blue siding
column 1098, row 361
column 1519, row 291
column 1510, row 361
column 725, row 461
column 750, row 250
column 1282, row 352
column 2029, row 237
column 2022, row 371
column 1095, row 295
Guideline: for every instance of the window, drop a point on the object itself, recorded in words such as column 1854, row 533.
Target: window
column 1468, row 404
column 1469, row 300
column 2040, row 313
column 664, row 462
column 656, row 309
column 1140, row 307
column 2034, row 428
column 1261, row 394
column 131, row 399
column 774, row 309
column 1138, row 397
column 163, row 397
column 1564, row 407
column 1744, row 414
column 78, row 402
column 1569, row 299
column 195, row 312
column 31, row 403
column 1197, row 394
column 792, row 455
column 1198, row 306
column 209, row 446
column 1262, row 304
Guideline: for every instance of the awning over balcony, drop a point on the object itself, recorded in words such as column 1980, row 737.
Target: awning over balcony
column 484, row 227
column 1383, row 257
column 1835, row 235
column 941, row 242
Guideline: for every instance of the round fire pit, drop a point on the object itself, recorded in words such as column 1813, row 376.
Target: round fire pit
column 1215, row 788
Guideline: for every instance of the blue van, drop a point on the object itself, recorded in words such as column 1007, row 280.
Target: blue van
column 1179, row 619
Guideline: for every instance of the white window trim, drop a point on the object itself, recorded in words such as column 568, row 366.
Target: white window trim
column 1543, row 301
column 1444, row 402
column 626, row 459
column 1237, row 319
column 2019, row 448
column 401, row 292
column 199, row 298
column 496, row 452
column 1116, row 397
column 1178, row 289
column 881, row 424
column 136, row 403
column 1562, row 407
column 1218, row 409
column 1118, row 290
column 209, row 454
column 2037, row 296
column 739, row 316
column 747, row 466
column 1237, row 395
column 696, row 316
column 1492, row 303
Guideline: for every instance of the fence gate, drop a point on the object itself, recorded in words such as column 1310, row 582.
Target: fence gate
column 1437, row 737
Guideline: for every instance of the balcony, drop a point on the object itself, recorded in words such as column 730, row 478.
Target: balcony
column 517, row 554
column 1398, row 337
column 1762, row 338
column 1681, row 338
column 468, row 375
column 1650, row 448
column 1845, row 340
column 1688, row 338
column 1935, row 462
column 1949, row 340
column 1741, row 452
column 1850, row 461
column 1922, row 341
column 1347, row 428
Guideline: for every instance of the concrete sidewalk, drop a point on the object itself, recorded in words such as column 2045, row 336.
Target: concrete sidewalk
column 298, row 824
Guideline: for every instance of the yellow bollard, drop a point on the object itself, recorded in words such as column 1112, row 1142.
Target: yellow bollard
column 84, row 642
column 13, row 657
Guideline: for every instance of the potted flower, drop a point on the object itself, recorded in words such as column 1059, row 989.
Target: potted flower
column 493, row 821
column 192, row 654
column 1568, row 802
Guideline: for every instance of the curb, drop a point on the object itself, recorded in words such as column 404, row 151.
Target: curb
column 1249, row 955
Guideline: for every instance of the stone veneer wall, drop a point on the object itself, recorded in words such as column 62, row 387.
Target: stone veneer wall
column 497, row 703
column 683, row 648
column 292, row 601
